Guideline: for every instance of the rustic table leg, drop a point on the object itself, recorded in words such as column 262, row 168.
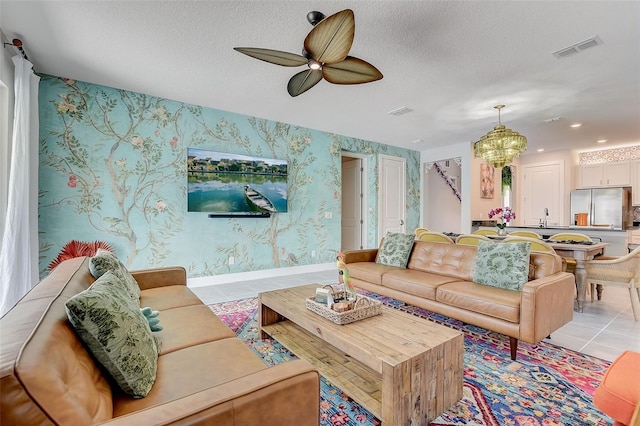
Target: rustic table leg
column 417, row 390
column 267, row 316
column 581, row 277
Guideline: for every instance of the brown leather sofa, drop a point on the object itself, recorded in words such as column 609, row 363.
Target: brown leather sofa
column 439, row 278
column 206, row 375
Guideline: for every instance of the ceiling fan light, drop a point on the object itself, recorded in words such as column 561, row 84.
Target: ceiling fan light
column 501, row 145
column 315, row 65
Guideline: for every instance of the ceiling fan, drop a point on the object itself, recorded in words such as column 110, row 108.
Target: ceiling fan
column 325, row 52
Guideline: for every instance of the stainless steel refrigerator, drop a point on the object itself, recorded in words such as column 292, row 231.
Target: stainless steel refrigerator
column 604, row 207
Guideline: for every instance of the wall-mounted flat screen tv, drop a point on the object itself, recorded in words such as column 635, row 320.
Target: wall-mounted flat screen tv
column 221, row 183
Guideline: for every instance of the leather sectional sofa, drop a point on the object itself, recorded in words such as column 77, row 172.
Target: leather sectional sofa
column 439, row 278
column 205, row 374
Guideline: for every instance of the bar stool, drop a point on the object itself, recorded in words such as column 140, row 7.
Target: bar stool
column 618, row 395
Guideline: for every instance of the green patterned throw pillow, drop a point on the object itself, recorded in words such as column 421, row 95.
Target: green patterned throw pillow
column 503, row 265
column 110, row 323
column 105, row 261
column 395, row 249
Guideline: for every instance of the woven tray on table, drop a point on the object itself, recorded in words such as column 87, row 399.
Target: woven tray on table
column 364, row 307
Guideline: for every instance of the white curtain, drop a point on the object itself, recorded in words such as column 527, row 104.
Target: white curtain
column 19, row 250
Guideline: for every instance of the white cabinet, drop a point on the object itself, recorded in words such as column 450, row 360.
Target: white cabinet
column 608, row 174
column 590, row 175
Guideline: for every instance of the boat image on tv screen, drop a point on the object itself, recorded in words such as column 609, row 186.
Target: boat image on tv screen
column 235, row 184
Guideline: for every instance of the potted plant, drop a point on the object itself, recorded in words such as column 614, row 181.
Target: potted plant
column 504, row 216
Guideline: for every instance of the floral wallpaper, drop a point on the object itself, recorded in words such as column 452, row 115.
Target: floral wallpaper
column 113, row 168
column 613, row 155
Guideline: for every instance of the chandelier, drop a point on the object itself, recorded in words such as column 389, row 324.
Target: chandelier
column 501, row 145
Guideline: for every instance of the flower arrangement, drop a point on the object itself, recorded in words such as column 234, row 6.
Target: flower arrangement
column 504, row 214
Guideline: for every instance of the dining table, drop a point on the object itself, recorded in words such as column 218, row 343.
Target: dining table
column 581, row 252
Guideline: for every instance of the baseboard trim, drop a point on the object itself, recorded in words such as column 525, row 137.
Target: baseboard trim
column 256, row 275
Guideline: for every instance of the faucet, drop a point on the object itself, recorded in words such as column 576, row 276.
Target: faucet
column 546, row 213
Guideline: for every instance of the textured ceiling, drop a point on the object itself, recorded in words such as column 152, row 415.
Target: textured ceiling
column 449, row 62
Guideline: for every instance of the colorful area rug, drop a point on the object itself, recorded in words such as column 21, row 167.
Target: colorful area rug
column 546, row 385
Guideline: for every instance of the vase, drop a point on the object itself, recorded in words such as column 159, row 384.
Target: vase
column 502, row 231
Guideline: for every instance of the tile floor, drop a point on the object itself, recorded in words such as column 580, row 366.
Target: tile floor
column 605, row 329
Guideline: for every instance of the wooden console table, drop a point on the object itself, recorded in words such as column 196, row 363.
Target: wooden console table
column 404, row 369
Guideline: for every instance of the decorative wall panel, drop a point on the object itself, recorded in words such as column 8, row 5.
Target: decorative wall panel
column 113, row 168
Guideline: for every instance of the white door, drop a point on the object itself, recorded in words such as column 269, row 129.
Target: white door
column 543, row 185
column 352, row 193
column 392, row 200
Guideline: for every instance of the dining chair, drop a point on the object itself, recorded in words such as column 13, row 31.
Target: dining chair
column 419, row 231
column 536, row 244
column 574, row 236
column 436, row 237
column 529, row 234
column 471, row 239
column 485, row 232
column 622, row 271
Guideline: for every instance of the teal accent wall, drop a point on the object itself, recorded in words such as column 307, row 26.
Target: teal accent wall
column 113, row 168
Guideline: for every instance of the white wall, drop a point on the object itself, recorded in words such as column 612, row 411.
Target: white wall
column 463, row 151
column 442, row 207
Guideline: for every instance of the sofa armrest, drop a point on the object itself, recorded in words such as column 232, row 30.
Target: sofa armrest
column 546, row 304
column 286, row 394
column 366, row 255
column 160, row 277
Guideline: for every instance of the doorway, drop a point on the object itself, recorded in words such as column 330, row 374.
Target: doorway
column 442, row 195
column 392, row 195
column 354, row 201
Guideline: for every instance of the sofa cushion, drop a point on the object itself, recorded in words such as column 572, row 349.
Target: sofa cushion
column 492, row 301
column 105, row 261
column 395, row 249
column 369, row 271
column 189, row 326
column 168, row 297
column 110, row 323
column 502, row 265
column 454, row 260
column 194, row 369
column 417, row 283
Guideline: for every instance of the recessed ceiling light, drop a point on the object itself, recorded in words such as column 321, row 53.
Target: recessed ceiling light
column 602, row 141
column 541, row 149
column 576, row 125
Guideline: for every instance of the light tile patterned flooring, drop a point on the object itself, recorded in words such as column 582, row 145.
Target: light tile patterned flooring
column 605, row 329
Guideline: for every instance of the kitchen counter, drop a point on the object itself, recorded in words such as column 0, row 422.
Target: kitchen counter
column 573, row 228
column 616, row 238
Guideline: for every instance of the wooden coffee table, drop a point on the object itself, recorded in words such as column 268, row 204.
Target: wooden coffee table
column 404, row 369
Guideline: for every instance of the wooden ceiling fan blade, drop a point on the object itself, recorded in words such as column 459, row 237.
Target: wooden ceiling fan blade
column 330, row 40
column 351, row 71
column 277, row 57
column 303, row 81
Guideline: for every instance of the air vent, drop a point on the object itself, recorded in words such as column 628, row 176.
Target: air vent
column 565, row 52
column 578, row 47
column 400, row 111
column 588, row 43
